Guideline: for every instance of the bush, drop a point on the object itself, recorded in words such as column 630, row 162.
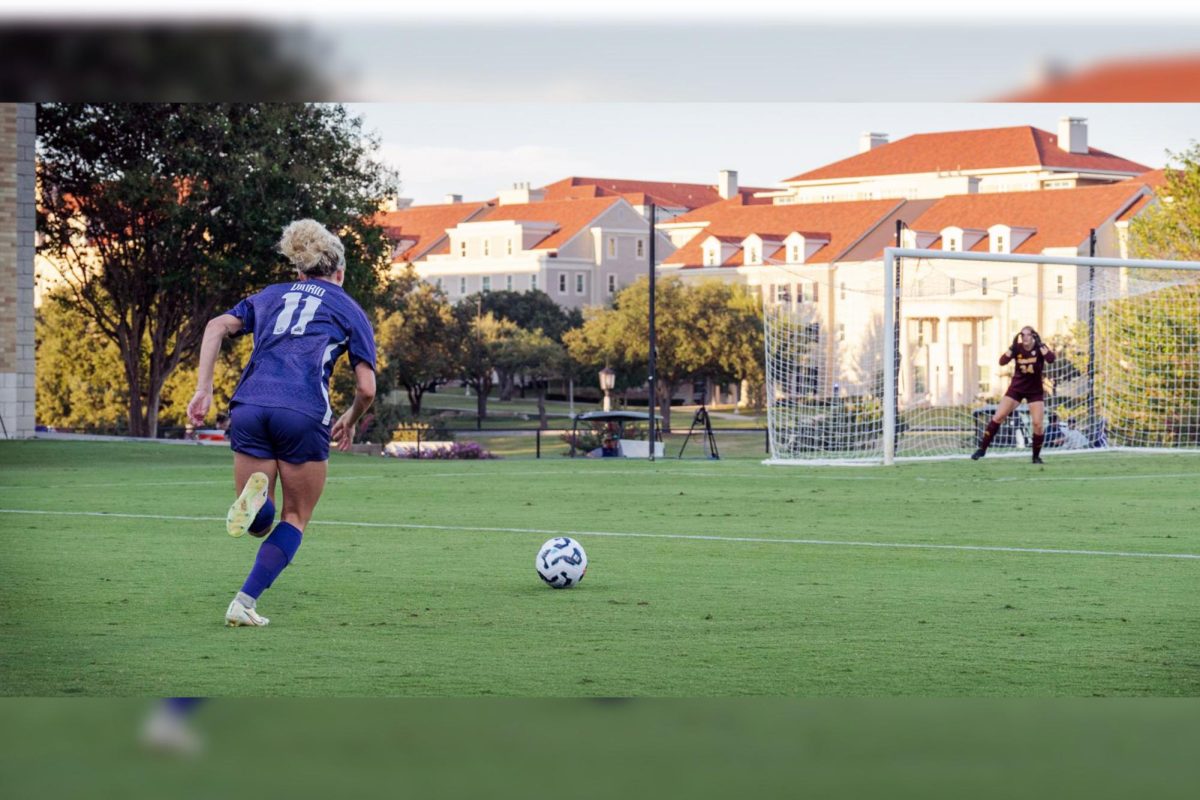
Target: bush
column 466, row 451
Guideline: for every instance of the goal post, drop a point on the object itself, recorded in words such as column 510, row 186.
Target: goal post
column 902, row 362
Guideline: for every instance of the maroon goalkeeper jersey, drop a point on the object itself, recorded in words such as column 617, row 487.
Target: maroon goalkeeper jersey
column 1027, row 377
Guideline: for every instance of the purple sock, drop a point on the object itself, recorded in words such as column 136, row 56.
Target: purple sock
column 274, row 554
column 264, row 518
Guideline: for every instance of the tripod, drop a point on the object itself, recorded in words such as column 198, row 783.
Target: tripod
column 701, row 418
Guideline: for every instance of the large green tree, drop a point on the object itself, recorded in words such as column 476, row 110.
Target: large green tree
column 705, row 330
column 160, row 216
column 1149, row 369
column 537, row 356
column 533, row 310
column 417, row 344
column 480, row 339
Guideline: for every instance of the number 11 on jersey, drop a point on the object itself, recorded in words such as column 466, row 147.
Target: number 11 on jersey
column 291, row 301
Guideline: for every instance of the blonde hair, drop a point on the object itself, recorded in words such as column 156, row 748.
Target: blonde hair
column 312, row 249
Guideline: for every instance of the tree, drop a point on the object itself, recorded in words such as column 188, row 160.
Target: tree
column 619, row 336
column 532, row 310
column 417, row 344
column 1149, row 371
column 726, row 341
column 535, row 354
column 479, row 341
column 77, row 364
column 162, row 216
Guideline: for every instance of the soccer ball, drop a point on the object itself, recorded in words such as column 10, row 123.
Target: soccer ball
column 561, row 562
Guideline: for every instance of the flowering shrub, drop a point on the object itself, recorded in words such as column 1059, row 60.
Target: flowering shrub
column 459, row 450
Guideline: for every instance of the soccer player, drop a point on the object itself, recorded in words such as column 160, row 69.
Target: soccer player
column 1031, row 355
column 280, row 413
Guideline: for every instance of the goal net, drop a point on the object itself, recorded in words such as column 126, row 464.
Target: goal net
column 903, row 362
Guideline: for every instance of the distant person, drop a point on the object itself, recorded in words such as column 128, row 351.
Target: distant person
column 280, row 413
column 1031, row 356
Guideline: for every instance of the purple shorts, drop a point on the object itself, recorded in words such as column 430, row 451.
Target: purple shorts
column 279, row 433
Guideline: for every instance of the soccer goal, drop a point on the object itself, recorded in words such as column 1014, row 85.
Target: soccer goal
column 902, row 362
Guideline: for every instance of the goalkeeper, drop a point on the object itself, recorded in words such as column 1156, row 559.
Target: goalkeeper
column 1031, row 355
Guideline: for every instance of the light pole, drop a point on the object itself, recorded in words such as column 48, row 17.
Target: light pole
column 608, row 380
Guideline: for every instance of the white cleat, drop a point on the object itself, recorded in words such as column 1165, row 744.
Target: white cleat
column 238, row 615
column 243, row 511
column 167, row 731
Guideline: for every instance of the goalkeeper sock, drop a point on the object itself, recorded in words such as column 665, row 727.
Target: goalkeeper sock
column 1038, row 438
column 266, row 515
column 986, row 439
column 275, row 553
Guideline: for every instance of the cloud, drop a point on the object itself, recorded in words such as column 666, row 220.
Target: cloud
column 478, row 173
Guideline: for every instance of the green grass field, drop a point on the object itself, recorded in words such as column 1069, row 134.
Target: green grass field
column 706, row 578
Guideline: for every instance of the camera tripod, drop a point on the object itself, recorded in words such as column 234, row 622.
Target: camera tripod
column 701, row 418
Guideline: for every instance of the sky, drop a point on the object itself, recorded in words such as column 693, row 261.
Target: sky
column 476, row 149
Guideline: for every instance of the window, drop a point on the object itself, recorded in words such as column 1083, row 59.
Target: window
column 487, row 247
column 1059, row 283
column 710, row 257
column 841, row 332
column 985, row 380
column 783, row 293
column 952, row 286
column 612, row 247
column 462, row 285
column 641, row 248
column 815, row 293
column 578, row 283
column 983, row 285
column 487, row 281
column 983, row 333
column 510, row 247
column 462, row 249
column 843, row 290
column 1000, row 243
column 794, row 254
column 951, row 243
column 919, row 380
column 508, row 283
column 612, row 283
column 753, row 256
column 562, row 283
column 1014, row 289
column 533, row 283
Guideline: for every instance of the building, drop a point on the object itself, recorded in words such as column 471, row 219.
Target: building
column 581, row 252
column 925, row 165
column 824, row 261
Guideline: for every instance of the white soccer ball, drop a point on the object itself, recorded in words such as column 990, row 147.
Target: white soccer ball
column 561, row 562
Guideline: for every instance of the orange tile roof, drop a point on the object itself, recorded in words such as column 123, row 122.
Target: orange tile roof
column 1061, row 217
column 842, row 223
column 1174, row 79
column 425, row 225
column 988, row 148
column 675, row 195
column 570, row 216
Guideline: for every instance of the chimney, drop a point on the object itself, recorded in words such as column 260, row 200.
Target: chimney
column 395, row 203
column 453, row 199
column 520, row 194
column 727, row 184
column 869, row 141
column 1072, row 134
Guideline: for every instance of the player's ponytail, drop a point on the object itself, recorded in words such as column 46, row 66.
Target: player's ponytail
column 312, row 249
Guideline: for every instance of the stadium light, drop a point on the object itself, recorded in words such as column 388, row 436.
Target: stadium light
column 608, row 381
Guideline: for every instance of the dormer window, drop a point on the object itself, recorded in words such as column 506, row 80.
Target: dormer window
column 794, row 254
column 999, row 244
column 510, row 247
column 462, row 249
column 752, row 256
column 953, row 244
column 487, row 247
column 710, row 257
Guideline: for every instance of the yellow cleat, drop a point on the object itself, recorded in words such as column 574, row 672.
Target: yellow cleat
column 243, row 511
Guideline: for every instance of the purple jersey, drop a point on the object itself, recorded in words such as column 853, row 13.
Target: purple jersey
column 300, row 330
